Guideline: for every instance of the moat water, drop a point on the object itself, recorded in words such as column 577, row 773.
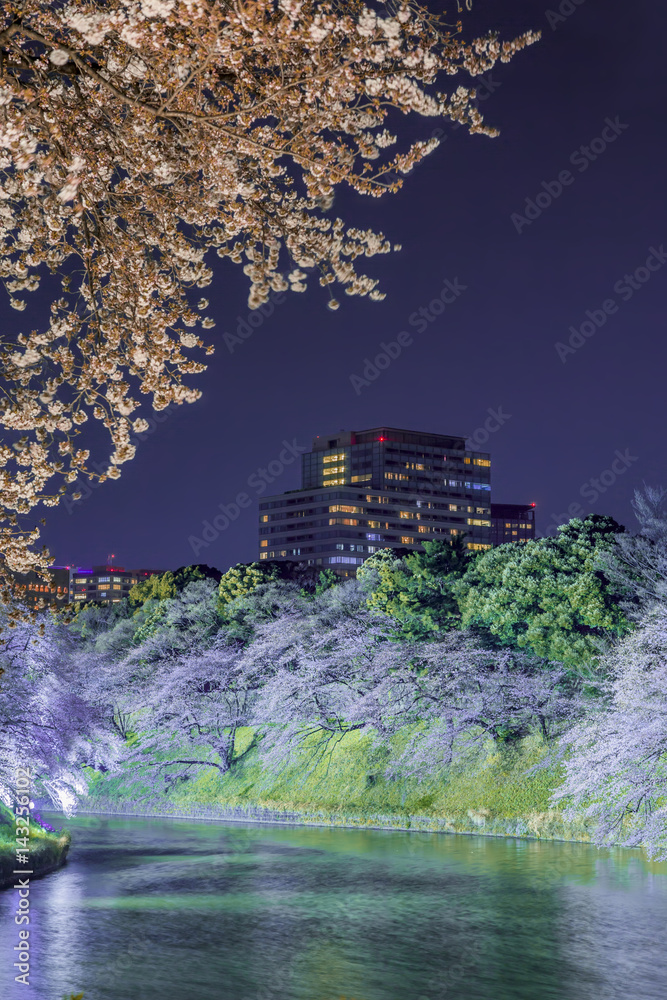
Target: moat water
column 170, row 910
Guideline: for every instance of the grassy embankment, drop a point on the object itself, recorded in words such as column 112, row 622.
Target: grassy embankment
column 489, row 794
column 48, row 851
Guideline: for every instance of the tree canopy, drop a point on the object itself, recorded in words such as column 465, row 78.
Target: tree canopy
column 551, row 595
column 416, row 589
column 163, row 585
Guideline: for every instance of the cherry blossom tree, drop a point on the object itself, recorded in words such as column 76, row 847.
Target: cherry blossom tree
column 638, row 563
column 196, row 703
column 47, row 724
column 140, row 137
column 616, row 759
column 342, row 668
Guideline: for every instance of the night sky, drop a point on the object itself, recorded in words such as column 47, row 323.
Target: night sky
column 564, row 416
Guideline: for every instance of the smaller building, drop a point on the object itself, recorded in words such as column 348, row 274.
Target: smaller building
column 37, row 591
column 104, row 584
column 512, row 522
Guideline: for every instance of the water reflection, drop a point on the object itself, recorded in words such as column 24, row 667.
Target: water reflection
column 171, row 910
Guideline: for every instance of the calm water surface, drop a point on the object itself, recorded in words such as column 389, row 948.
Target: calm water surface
column 168, row 910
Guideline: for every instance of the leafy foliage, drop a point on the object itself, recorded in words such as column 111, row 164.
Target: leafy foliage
column 160, row 586
column 416, row 588
column 244, row 578
column 551, row 595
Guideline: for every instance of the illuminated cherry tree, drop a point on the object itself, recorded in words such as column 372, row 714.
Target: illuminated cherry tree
column 48, row 725
column 616, row 759
column 140, row 137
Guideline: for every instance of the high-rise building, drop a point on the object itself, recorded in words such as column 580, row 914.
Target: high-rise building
column 379, row 488
column 104, row 584
column 512, row 522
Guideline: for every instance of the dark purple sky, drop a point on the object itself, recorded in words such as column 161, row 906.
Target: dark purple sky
column 492, row 348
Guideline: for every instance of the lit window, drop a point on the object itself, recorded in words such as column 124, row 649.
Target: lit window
column 361, row 479
column 507, row 524
column 334, row 458
column 264, row 518
column 479, row 523
column 515, row 532
column 406, row 540
column 406, row 514
column 264, row 542
column 79, row 597
column 116, row 579
column 343, row 520
column 395, row 475
column 478, row 546
column 453, row 506
column 335, row 482
column 339, row 508
column 374, row 538
column 466, row 461
column 83, row 579
column 423, row 529
column 334, row 470
column 486, row 462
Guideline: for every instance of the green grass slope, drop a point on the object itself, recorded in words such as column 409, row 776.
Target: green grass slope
column 47, row 850
column 488, row 793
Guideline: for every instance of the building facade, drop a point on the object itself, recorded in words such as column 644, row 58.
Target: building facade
column 36, row 591
column 104, row 584
column 512, row 522
column 380, row 488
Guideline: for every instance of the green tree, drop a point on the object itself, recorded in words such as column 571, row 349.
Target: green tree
column 416, row 588
column 244, row 578
column 548, row 595
column 162, row 586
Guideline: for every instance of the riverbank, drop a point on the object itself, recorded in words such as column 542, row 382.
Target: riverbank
column 490, row 793
column 47, row 850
